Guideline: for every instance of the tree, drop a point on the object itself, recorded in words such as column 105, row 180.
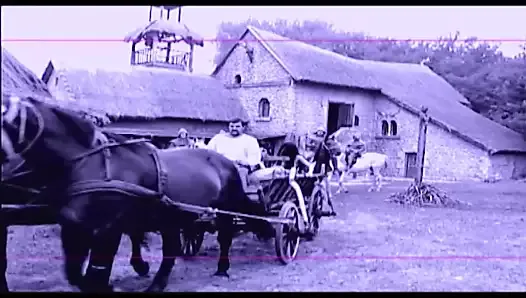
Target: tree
column 494, row 84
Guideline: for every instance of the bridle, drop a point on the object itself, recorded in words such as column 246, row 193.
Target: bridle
column 18, row 108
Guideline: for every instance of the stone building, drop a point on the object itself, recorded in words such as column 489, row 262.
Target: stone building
column 287, row 85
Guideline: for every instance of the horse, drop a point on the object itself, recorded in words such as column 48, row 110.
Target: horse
column 28, row 187
column 369, row 161
column 122, row 187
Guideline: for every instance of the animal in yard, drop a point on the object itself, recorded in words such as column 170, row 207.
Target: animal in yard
column 369, row 161
column 27, row 188
column 121, row 187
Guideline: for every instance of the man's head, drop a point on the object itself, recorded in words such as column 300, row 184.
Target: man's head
column 320, row 132
column 183, row 133
column 236, row 127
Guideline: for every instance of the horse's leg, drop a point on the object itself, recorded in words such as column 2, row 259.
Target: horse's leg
column 225, row 235
column 379, row 180
column 373, row 182
column 141, row 267
column 75, row 245
column 341, row 187
column 103, row 251
column 3, row 258
column 171, row 249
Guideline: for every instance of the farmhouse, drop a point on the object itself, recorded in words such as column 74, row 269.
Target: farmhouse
column 293, row 86
column 148, row 101
column 19, row 80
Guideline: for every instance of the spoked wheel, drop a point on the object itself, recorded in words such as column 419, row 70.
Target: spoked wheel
column 287, row 235
column 191, row 242
column 315, row 210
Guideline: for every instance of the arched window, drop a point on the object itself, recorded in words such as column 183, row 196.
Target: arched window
column 264, row 108
column 356, row 121
column 394, row 128
column 237, row 79
column 385, row 128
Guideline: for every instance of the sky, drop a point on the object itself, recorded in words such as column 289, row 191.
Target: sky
column 60, row 23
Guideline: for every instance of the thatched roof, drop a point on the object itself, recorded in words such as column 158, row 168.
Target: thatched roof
column 19, row 80
column 167, row 29
column 148, row 93
column 408, row 85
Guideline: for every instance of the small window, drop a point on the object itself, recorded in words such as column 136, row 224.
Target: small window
column 264, row 108
column 385, row 128
column 237, row 79
column 394, row 128
column 356, row 121
column 56, row 81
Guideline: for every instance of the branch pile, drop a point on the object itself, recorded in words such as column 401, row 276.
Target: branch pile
column 423, row 195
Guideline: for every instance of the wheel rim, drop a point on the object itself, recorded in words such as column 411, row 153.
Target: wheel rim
column 315, row 212
column 291, row 237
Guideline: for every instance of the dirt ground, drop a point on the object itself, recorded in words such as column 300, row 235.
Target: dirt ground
column 370, row 246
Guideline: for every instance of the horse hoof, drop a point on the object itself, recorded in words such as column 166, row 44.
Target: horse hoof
column 141, row 268
column 221, row 274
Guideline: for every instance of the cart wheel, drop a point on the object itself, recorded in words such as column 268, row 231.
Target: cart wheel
column 287, row 235
column 315, row 210
column 191, row 242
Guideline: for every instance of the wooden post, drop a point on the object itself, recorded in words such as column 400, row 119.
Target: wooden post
column 191, row 57
column 150, row 18
column 179, row 15
column 132, row 58
column 424, row 120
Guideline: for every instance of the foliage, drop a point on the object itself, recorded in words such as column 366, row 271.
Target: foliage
column 495, row 85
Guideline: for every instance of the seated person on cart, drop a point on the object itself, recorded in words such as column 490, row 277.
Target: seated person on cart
column 239, row 147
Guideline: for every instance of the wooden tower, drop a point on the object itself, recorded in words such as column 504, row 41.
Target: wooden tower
column 154, row 45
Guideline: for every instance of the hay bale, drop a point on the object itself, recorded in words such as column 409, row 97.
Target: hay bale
column 423, row 195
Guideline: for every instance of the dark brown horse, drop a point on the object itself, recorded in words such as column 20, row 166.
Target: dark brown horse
column 124, row 187
column 26, row 189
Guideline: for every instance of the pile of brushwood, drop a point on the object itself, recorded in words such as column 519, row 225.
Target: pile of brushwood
column 423, row 195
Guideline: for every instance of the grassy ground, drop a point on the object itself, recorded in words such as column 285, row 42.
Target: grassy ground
column 371, row 246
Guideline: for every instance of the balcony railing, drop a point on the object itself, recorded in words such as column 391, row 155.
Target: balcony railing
column 158, row 57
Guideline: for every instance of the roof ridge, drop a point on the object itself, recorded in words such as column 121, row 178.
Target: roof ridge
column 267, row 46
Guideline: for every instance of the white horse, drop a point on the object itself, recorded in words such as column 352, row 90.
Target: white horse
column 370, row 161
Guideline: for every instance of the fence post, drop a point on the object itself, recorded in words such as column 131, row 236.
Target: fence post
column 424, row 120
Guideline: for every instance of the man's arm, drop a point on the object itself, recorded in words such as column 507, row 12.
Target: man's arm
column 253, row 152
column 212, row 145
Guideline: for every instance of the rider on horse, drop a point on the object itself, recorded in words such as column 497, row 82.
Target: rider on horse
column 356, row 148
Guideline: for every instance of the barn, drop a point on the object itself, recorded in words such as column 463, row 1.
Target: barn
column 148, row 102
column 293, row 86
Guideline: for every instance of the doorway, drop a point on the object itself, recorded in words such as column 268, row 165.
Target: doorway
column 339, row 115
column 411, row 169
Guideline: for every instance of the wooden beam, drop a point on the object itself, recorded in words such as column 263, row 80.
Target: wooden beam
column 179, row 15
column 150, row 17
column 420, row 155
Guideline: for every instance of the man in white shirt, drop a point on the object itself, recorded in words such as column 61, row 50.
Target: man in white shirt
column 239, row 147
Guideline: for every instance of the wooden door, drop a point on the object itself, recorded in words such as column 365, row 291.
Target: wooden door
column 411, row 169
column 345, row 115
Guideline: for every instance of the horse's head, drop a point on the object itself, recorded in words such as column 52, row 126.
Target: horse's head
column 42, row 134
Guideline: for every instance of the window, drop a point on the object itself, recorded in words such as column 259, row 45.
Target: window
column 56, row 81
column 385, row 128
column 264, row 108
column 394, row 128
column 356, row 121
column 237, row 79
